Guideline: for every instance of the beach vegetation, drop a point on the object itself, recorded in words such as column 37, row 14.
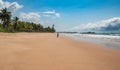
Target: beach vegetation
column 15, row 25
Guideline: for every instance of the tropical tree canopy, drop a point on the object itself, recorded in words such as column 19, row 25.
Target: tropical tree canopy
column 15, row 25
column 5, row 17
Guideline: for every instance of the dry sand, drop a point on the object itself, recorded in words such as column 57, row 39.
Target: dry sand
column 43, row 51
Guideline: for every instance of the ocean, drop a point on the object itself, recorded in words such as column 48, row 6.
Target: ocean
column 105, row 40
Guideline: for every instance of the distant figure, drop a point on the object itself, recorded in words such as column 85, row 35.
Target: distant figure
column 57, row 35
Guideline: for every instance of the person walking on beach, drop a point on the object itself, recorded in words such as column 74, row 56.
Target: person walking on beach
column 57, row 35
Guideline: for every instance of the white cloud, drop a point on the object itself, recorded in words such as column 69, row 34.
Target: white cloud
column 104, row 25
column 1, row 2
column 30, row 17
column 12, row 7
column 45, row 15
column 58, row 15
column 50, row 13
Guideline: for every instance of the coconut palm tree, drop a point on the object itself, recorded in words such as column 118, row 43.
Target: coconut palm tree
column 16, row 22
column 53, row 29
column 5, row 17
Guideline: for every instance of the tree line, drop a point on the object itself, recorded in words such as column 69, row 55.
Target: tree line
column 15, row 25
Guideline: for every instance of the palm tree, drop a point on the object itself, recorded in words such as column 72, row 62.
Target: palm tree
column 16, row 22
column 5, row 17
column 53, row 29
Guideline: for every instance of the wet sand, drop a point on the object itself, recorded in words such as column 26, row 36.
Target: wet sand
column 44, row 51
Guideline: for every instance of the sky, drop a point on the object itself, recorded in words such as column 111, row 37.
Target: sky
column 68, row 15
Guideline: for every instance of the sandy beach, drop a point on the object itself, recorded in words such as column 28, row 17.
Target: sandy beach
column 44, row 51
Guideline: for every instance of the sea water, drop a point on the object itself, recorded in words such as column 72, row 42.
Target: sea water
column 110, row 41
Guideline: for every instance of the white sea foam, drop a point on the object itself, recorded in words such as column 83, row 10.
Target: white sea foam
column 104, row 40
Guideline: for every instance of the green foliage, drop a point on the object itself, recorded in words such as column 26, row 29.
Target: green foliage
column 9, row 29
column 15, row 25
column 1, row 28
column 5, row 16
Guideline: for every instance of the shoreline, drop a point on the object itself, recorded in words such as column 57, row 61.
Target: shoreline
column 44, row 51
column 103, row 40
